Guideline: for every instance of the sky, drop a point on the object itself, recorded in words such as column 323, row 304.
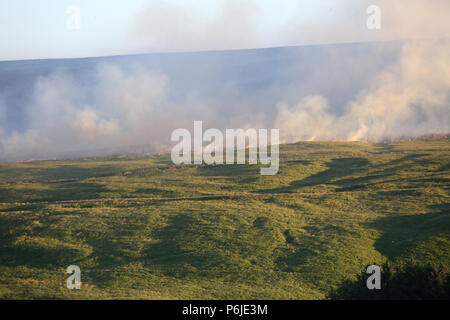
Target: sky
column 38, row 29
column 31, row 29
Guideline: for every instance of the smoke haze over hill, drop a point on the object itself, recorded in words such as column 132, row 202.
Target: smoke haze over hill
column 370, row 92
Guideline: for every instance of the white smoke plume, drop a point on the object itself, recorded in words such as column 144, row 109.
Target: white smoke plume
column 164, row 26
column 411, row 98
column 121, row 109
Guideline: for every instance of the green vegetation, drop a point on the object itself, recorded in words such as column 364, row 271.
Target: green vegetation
column 429, row 282
column 141, row 228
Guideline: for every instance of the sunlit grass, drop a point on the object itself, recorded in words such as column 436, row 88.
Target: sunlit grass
column 332, row 209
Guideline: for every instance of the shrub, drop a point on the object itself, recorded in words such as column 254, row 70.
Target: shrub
column 401, row 281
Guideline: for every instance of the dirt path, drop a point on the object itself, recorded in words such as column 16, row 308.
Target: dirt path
column 201, row 198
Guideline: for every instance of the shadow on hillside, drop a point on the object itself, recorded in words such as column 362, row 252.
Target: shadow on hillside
column 401, row 233
column 60, row 172
column 174, row 253
column 25, row 244
column 147, row 192
column 337, row 168
column 444, row 167
column 305, row 245
column 7, row 194
column 242, row 174
column 409, row 157
column 383, row 148
column 401, row 281
column 385, row 170
column 38, row 257
column 190, row 245
column 53, row 192
column 296, row 257
column 78, row 172
column 296, row 161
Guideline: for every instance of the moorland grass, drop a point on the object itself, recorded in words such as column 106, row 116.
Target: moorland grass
column 333, row 208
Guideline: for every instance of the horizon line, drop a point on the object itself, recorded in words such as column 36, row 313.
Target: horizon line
column 217, row 50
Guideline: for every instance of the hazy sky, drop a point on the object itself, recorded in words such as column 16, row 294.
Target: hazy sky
column 38, row 29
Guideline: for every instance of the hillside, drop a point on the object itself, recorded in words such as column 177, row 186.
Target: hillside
column 140, row 227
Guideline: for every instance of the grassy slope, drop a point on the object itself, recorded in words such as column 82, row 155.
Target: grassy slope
column 362, row 204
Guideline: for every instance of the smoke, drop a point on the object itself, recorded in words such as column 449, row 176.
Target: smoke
column 411, row 98
column 408, row 98
column 164, row 26
column 120, row 109
column 344, row 92
column 138, row 106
